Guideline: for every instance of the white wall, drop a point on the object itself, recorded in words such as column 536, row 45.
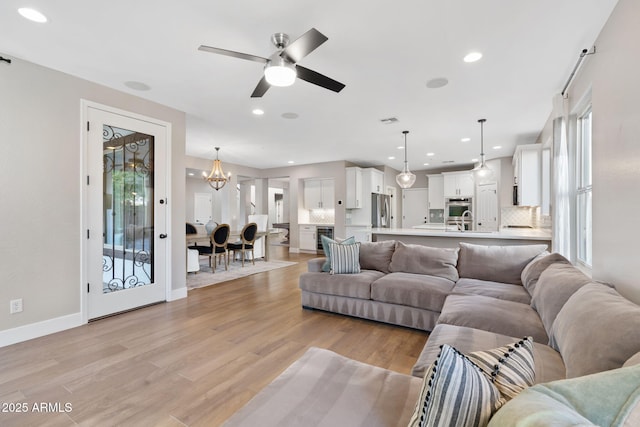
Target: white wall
column 40, row 172
column 612, row 76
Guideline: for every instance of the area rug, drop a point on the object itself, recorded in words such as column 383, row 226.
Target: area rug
column 206, row 277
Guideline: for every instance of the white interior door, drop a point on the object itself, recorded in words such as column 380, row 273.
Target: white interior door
column 203, row 208
column 414, row 206
column 486, row 215
column 126, row 212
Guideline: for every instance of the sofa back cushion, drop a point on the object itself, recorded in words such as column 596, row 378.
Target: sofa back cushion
column 534, row 269
column 555, row 286
column 496, row 263
column 376, row 255
column 419, row 259
column 596, row 330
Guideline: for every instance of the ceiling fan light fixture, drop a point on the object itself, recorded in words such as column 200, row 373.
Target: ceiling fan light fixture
column 405, row 179
column 280, row 72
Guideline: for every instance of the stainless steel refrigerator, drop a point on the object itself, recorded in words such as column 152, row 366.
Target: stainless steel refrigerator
column 380, row 210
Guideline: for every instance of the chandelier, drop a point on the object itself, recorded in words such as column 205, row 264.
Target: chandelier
column 405, row 179
column 216, row 178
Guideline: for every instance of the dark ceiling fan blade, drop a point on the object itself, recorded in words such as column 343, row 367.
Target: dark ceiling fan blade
column 262, row 87
column 303, row 45
column 318, row 79
column 233, row 54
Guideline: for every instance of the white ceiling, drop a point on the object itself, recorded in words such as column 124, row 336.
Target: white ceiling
column 383, row 51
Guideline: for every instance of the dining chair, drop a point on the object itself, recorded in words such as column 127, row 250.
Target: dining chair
column 246, row 243
column 219, row 239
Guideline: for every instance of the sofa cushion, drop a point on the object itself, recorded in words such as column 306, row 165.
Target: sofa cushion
column 377, row 255
column 496, row 263
column 556, row 284
column 324, row 388
column 492, row 289
column 419, row 259
column 415, row 290
column 633, row 360
column 549, row 364
column 532, row 271
column 345, row 258
column 455, row 393
column 494, row 315
column 324, row 240
column 610, row 398
column 597, row 329
column 346, row 285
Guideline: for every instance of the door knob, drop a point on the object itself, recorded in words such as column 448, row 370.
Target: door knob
column 163, row 236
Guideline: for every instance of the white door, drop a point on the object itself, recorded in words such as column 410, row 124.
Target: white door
column 486, row 215
column 202, row 208
column 126, row 212
column 414, row 206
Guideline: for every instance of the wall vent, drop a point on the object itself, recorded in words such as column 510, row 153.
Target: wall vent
column 389, row 120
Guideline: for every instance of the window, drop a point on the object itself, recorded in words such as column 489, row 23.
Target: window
column 583, row 199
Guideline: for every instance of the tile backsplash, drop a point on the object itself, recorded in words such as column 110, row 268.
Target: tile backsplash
column 322, row 216
column 525, row 216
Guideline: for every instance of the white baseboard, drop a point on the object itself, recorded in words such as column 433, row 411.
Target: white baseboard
column 294, row 250
column 39, row 329
column 178, row 293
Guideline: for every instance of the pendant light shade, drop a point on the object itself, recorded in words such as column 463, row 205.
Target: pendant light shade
column 405, row 179
column 216, row 178
column 482, row 172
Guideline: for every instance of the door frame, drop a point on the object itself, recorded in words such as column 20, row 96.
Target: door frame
column 84, row 209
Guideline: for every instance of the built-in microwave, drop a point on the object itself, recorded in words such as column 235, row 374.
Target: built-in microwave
column 455, row 211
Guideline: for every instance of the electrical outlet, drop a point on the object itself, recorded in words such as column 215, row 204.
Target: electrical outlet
column 15, row 306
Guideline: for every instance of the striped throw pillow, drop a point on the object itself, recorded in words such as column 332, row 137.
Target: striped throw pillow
column 345, row 259
column 455, row 393
column 511, row 368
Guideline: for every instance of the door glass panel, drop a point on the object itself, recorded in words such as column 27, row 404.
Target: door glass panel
column 127, row 257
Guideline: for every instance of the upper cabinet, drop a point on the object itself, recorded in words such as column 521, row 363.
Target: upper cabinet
column 458, row 184
column 319, row 193
column 354, row 188
column 436, row 191
column 360, row 184
column 527, row 176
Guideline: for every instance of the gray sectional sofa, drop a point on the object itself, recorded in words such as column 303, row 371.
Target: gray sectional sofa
column 586, row 337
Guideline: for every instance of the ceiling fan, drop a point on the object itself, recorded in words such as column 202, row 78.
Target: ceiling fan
column 281, row 68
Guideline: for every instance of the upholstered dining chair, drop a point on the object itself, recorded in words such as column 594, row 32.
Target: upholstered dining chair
column 246, row 243
column 219, row 239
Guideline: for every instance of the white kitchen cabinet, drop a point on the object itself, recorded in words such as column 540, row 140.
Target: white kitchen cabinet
column 360, row 233
column 458, row 184
column 436, row 191
column 376, row 178
column 307, row 238
column 319, row 193
column 354, row 188
column 527, row 167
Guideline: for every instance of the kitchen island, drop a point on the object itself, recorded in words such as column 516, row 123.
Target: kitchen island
column 447, row 238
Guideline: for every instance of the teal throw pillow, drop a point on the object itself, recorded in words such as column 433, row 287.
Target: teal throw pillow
column 326, row 267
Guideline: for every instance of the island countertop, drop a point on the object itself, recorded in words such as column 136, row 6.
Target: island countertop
column 442, row 238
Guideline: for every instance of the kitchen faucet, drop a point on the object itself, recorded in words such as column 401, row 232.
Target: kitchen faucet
column 462, row 228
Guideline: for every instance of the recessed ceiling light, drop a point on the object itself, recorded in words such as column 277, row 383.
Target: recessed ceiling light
column 425, row 164
column 497, row 147
column 291, row 162
column 290, row 115
column 474, row 160
column 137, row 85
column 431, row 154
column 400, row 147
column 257, row 111
column 32, row 15
column 465, row 139
column 391, row 158
column 472, row 57
column 438, row 82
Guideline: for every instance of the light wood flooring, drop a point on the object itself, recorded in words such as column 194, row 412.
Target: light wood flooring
column 190, row 362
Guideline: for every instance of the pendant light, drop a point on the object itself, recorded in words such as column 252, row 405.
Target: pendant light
column 482, row 172
column 405, row 179
column 216, row 178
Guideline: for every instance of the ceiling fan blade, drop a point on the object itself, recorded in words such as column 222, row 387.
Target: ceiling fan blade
column 303, row 45
column 318, row 79
column 233, row 54
column 262, row 87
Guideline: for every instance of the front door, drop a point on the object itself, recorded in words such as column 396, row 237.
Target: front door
column 126, row 212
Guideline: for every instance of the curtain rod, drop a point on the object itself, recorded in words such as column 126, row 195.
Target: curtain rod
column 584, row 53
